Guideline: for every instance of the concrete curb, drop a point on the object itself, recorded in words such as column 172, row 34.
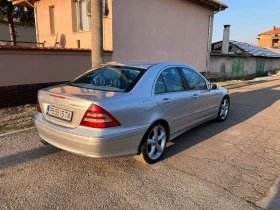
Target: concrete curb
column 18, row 131
column 245, row 83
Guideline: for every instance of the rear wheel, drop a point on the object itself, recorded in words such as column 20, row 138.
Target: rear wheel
column 224, row 110
column 153, row 144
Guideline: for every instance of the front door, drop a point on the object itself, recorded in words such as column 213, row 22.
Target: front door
column 171, row 96
column 205, row 102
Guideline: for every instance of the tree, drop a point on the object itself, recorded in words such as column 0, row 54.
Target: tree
column 15, row 14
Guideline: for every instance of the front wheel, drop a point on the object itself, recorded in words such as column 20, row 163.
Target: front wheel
column 224, row 110
column 153, row 144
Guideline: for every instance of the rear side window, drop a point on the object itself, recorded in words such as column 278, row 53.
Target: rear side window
column 118, row 79
column 160, row 86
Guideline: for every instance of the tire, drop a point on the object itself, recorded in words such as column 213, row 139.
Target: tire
column 153, row 144
column 223, row 110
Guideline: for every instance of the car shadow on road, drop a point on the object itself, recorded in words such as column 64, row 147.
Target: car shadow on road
column 275, row 202
column 244, row 105
column 26, row 156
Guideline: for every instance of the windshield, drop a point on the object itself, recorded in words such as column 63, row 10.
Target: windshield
column 110, row 78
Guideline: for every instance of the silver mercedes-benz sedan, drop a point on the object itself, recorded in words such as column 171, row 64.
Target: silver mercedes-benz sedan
column 128, row 109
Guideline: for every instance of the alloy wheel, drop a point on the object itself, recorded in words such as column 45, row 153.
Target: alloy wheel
column 224, row 109
column 156, row 142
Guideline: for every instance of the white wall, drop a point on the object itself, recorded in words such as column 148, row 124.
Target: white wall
column 160, row 30
column 223, row 65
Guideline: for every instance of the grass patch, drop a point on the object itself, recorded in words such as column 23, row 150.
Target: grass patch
column 4, row 128
column 16, row 118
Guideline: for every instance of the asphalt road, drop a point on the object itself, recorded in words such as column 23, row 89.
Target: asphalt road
column 229, row 165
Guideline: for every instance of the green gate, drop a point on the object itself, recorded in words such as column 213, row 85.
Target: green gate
column 238, row 68
column 260, row 66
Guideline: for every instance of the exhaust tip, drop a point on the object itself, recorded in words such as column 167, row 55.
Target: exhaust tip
column 44, row 142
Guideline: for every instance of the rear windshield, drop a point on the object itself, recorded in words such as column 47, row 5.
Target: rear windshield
column 116, row 79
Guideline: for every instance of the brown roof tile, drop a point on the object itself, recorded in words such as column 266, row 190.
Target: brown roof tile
column 221, row 3
column 274, row 30
column 217, row 3
column 8, row 47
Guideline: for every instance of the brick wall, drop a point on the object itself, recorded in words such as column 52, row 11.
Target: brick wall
column 21, row 94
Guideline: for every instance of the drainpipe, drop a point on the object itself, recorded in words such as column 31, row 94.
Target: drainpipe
column 209, row 42
column 209, row 39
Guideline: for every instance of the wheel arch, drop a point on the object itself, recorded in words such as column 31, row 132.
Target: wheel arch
column 160, row 121
column 227, row 96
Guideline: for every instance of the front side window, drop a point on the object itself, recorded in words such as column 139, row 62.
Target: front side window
column 169, row 81
column 116, row 79
column 193, row 80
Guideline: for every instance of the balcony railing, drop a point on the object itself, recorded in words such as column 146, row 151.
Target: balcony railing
column 8, row 42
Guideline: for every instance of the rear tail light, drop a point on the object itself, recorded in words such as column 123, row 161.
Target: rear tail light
column 97, row 117
column 38, row 107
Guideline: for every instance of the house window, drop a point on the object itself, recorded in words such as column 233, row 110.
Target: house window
column 83, row 12
column 52, row 20
column 275, row 42
column 82, row 16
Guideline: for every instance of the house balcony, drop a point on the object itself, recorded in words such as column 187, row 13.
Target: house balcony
column 24, row 3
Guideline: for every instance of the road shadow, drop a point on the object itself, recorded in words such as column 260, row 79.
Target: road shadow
column 244, row 105
column 26, row 156
column 275, row 202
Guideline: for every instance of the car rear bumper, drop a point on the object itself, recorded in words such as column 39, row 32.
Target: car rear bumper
column 81, row 141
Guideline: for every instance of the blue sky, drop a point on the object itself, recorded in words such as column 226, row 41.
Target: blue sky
column 247, row 18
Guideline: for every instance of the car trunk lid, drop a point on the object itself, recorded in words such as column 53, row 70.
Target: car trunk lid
column 66, row 105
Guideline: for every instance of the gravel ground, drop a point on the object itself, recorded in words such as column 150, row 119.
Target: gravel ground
column 16, row 118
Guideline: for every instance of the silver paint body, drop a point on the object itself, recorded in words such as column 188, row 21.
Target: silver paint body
column 136, row 110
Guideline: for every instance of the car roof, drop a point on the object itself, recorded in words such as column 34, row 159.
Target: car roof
column 144, row 65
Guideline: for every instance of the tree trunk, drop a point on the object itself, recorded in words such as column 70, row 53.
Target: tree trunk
column 96, row 33
column 11, row 24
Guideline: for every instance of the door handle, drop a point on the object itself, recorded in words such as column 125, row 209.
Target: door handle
column 195, row 96
column 166, row 100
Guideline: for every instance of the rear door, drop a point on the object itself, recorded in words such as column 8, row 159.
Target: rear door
column 171, row 96
column 205, row 102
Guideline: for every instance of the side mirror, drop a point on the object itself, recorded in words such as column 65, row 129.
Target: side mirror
column 214, row 86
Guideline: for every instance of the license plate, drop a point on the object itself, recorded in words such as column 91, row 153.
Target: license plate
column 60, row 113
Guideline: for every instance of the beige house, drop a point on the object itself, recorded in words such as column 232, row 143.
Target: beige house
column 134, row 30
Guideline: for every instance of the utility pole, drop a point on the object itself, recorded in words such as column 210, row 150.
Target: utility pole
column 96, row 33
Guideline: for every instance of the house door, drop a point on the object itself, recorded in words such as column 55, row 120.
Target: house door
column 238, row 67
column 260, row 66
